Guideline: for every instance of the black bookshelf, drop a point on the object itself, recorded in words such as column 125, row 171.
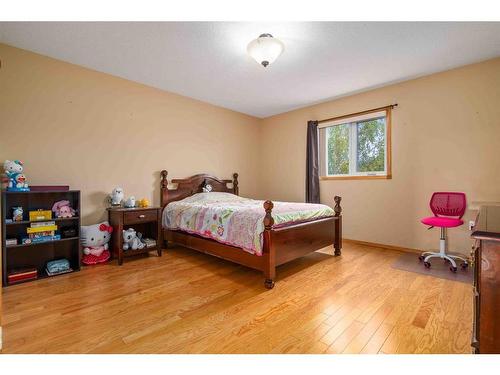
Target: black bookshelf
column 36, row 255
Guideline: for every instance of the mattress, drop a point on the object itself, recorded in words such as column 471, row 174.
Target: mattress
column 234, row 220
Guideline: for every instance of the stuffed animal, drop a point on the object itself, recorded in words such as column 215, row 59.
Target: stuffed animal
column 116, row 196
column 95, row 240
column 63, row 209
column 15, row 176
column 130, row 202
column 17, row 213
column 207, row 188
column 132, row 240
column 143, row 203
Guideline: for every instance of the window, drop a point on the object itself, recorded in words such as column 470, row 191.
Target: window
column 358, row 146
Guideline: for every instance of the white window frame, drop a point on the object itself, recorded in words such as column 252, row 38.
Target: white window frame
column 352, row 121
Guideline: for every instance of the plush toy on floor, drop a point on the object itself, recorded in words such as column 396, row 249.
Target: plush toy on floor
column 132, row 240
column 95, row 240
column 15, row 176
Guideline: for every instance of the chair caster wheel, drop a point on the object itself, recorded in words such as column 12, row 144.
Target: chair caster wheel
column 465, row 265
column 453, row 269
column 421, row 258
column 427, row 265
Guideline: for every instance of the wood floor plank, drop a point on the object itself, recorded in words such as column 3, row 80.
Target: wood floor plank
column 364, row 336
column 376, row 342
column 426, row 308
column 339, row 345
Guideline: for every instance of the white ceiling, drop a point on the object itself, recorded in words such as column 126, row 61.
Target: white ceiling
column 208, row 60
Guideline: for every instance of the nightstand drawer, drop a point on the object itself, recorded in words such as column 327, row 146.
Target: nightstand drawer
column 142, row 216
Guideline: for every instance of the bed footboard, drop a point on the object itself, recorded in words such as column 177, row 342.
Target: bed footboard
column 282, row 245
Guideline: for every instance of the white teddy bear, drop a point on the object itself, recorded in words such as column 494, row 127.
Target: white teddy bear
column 132, row 240
column 117, row 196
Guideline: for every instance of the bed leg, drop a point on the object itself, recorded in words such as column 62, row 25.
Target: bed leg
column 338, row 251
column 269, row 272
column 269, row 283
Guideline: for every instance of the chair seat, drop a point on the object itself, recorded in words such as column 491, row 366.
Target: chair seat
column 443, row 222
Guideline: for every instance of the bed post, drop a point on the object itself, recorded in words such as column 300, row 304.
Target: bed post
column 338, row 225
column 163, row 191
column 163, row 186
column 268, row 249
column 235, row 184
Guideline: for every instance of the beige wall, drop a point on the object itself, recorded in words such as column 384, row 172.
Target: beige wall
column 93, row 131
column 446, row 136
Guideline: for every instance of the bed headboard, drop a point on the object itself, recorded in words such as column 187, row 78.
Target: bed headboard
column 192, row 185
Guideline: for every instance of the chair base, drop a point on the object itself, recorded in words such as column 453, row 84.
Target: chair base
column 427, row 255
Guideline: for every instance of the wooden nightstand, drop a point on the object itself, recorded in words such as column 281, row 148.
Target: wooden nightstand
column 144, row 220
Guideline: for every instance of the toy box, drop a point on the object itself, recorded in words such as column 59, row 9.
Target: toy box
column 40, row 215
column 22, row 274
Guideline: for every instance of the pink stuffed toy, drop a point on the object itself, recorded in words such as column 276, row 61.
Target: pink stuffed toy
column 95, row 240
column 63, row 209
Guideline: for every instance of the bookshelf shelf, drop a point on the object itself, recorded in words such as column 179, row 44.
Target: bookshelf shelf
column 41, row 243
column 58, row 219
column 36, row 255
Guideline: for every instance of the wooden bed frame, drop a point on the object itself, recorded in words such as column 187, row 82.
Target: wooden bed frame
column 280, row 246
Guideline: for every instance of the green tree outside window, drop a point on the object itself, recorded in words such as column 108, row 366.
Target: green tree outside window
column 371, row 146
column 338, row 149
column 369, row 143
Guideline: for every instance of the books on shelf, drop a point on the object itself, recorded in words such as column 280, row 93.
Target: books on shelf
column 41, row 229
column 39, row 224
column 39, row 239
column 41, row 232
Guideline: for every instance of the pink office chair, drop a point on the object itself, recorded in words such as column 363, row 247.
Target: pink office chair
column 448, row 209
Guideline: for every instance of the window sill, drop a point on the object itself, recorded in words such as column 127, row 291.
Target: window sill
column 377, row 177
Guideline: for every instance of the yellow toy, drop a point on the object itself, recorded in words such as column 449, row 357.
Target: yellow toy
column 143, row 203
column 40, row 215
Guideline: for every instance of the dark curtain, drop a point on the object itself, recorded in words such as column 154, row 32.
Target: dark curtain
column 312, row 163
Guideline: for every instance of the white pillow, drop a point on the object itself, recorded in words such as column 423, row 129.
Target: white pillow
column 211, row 197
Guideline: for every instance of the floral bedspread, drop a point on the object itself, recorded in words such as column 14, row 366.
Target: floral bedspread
column 234, row 220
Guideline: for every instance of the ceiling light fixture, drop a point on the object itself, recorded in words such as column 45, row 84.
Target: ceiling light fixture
column 265, row 49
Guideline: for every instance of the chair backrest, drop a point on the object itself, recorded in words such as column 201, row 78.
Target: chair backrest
column 448, row 204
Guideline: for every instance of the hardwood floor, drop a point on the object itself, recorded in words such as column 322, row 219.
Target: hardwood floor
column 187, row 302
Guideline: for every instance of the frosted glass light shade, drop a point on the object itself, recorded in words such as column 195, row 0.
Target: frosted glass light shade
column 265, row 49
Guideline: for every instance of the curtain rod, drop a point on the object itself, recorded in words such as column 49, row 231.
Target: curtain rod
column 358, row 113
